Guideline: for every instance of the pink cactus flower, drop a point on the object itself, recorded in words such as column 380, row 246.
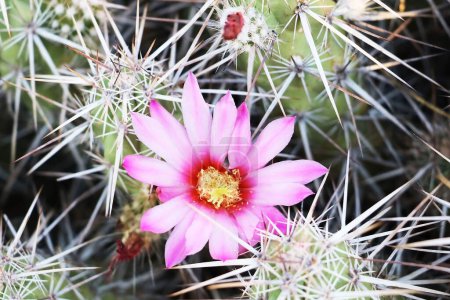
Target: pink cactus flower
column 213, row 174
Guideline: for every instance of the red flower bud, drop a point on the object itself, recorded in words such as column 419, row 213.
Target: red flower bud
column 233, row 26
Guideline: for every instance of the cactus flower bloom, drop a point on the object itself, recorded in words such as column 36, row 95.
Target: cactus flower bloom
column 214, row 183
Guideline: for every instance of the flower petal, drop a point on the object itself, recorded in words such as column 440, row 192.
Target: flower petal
column 278, row 194
column 247, row 222
column 198, row 234
column 271, row 141
column 241, row 139
column 151, row 171
column 274, row 218
column 175, row 251
column 177, row 131
column 157, row 138
column 164, row 217
column 221, row 245
column 196, row 115
column 168, row 193
column 224, row 118
column 301, row 171
column 270, row 217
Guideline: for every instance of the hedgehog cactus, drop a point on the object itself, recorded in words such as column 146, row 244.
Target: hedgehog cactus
column 65, row 12
column 122, row 85
column 50, row 26
column 40, row 38
column 27, row 273
column 306, row 263
column 289, row 55
column 22, row 277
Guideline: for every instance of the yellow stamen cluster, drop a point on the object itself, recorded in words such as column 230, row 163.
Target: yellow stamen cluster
column 221, row 189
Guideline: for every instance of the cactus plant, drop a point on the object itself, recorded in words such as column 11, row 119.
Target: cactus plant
column 25, row 273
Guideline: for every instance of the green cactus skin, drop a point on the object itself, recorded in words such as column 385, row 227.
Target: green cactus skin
column 21, row 16
column 307, row 265
column 16, row 57
column 277, row 14
column 16, row 284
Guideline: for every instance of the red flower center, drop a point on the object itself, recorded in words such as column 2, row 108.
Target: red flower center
column 233, row 26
